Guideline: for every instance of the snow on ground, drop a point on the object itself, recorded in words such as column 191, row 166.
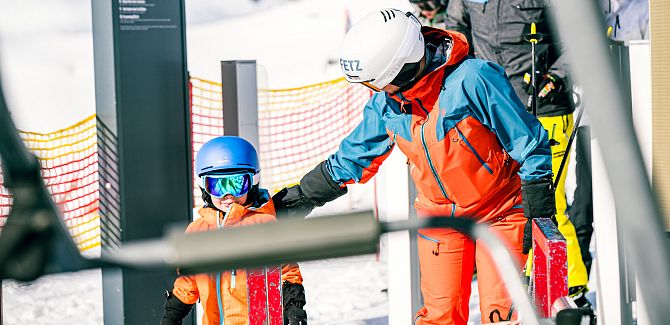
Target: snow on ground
column 346, row 290
column 69, row 298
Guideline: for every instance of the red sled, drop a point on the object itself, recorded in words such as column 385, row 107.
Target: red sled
column 264, row 292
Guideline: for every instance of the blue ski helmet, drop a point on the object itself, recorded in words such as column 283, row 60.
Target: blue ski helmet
column 226, row 154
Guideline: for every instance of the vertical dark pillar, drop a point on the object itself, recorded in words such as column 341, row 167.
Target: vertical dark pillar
column 143, row 142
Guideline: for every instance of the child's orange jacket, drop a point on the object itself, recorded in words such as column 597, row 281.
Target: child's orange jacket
column 233, row 284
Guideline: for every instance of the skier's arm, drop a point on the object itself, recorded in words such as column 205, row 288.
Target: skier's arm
column 559, row 67
column 362, row 152
column 458, row 19
column 358, row 158
column 293, row 302
column 496, row 105
column 180, row 300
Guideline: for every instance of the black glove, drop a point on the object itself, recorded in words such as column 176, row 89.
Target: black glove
column 538, row 202
column 175, row 310
column 316, row 188
column 293, row 299
column 550, row 87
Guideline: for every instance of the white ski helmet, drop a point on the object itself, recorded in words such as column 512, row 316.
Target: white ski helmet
column 377, row 47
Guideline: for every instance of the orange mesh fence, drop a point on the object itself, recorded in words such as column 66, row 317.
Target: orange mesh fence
column 69, row 162
column 298, row 128
column 206, row 120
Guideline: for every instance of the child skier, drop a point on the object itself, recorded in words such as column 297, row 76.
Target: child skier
column 229, row 175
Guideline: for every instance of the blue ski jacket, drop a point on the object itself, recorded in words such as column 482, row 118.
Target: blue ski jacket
column 467, row 136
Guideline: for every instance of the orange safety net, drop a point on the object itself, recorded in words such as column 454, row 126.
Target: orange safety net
column 298, row 128
column 69, row 162
column 206, row 120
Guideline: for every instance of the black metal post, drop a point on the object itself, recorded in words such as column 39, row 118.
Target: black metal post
column 144, row 143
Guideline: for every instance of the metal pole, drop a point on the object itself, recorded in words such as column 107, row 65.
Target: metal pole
column 302, row 240
column 533, row 38
column 240, row 100
column 567, row 148
column 580, row 24
column 533, row 80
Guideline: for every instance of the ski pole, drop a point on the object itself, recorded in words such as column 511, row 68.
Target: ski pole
column 567, row 148
column 534, row 37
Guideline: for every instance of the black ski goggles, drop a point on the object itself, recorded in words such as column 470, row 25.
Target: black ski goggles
column 427, row 5
column 407, row 75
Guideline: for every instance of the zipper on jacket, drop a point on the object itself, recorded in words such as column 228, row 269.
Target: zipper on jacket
column 219, row 302
column 467, row 143
column 233, row 278
column 425, row 150
column 425, row 147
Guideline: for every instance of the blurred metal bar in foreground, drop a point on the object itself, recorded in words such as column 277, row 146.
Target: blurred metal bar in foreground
column 302, row 240
column 582, row 29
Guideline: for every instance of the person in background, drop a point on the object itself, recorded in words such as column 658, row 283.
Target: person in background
column 497, row 29
column 229, row 174
column 430, row 12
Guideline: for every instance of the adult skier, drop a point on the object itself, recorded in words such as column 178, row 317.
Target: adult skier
column 497, row 29
column 473, row 152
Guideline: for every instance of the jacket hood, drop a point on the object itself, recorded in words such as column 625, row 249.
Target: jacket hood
column 261, row 204
column 444, row 48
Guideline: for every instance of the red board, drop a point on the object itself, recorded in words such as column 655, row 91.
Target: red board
column 550, row 265
column 264, row 294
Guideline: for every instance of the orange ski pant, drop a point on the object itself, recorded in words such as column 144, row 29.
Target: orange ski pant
column 447, row 268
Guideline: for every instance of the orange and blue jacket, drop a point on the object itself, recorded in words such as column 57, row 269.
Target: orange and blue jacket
column 225, row 293
column 467, row 136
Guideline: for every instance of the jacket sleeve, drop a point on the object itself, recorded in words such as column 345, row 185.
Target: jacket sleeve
column 291, row 273
column 458, row 19
column 560, row 66
column 495, row 104
column 186, row 289
column 362, row 152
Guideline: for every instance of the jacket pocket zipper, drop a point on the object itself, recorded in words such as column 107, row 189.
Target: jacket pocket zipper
column 436, row 250
column 467, row 143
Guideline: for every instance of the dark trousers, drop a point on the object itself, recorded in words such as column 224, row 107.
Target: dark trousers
column 581, row 210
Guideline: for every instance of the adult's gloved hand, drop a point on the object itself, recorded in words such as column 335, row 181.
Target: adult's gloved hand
column 538, row 202
column 550, row 87
column 175, row 310
column 293, row 300
column 316, row 188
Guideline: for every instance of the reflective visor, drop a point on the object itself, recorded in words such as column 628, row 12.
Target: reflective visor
column 407, row 74
column 369, row 85
column 219, row 185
